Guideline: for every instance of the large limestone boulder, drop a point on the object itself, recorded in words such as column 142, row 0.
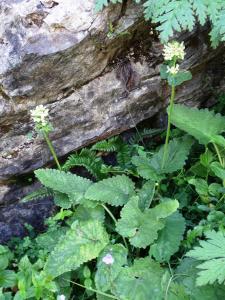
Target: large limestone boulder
column 98, row 73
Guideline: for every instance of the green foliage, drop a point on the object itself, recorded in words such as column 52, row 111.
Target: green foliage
column 178, row 150
column 107, row 274
column 83, row 242
column 176, row 16
column 115, row 191
column 169, row 238
column 142, row 227
column 144, row 280
column 196, row 122
column 211, row 252
column 87, row 159
column 72, row 185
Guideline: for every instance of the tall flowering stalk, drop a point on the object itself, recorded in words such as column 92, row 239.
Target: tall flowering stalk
column 40, row 117
column 173, row 53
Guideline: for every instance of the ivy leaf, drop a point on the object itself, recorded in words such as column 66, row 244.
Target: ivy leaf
column 66, row 183
column 114, row 191
column 146, row 194
column 169, row 238
column 142, row 227
column 106, row 274
column 212, row 253
column 196, row 122
column 83, row 242
column 144, row 280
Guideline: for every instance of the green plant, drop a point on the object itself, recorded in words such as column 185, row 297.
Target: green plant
column 173, row 15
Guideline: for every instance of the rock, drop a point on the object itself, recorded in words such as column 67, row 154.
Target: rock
column 14, row 218
column 62, row 54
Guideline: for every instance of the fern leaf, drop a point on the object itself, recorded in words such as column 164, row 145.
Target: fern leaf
column 142, row 227
column 86, row 158
column 110, row 145
column 115, row 190
column 38, row 194
column 169, row 238
column 66, row 183
column 99, row 4
column 202, row 124
column 212, row 253
column 82, row 243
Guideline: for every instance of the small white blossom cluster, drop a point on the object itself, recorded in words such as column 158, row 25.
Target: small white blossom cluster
column 108, row 259
column 40, row 115
column 173, row 70
column 61, row 297
column 174, row 49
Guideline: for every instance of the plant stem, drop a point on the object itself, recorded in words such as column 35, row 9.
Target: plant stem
column 93, row 290
column 115, row 221
column 168, row 125
column 52, row 150
column 218, row 154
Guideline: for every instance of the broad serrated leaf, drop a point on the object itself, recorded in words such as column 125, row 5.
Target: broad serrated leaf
column 142, row 227
column 169, row 238
column 218, row 170
column 115, row 190
column 212, row 255
column 200, row 184
column 144, row 280
column 178, row 150
column 62, row 200
column 48, row 240
column 107, row 273
column 82, row 243
column 151, row 168
column 87, row 213
column 146, row 194
column 179, row 78
column 8, row 278
column 72, row 185
column 196, row 122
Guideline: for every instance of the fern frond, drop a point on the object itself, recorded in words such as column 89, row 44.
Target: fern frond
column 38, row 194
column 110, row 145
column 88, row 159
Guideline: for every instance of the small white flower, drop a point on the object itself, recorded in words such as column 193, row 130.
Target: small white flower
column 61, row 297
column 108, row 259
column 173, row 70
column 174, row 49
column 39, row 115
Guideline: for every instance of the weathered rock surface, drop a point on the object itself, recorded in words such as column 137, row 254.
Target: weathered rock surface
column 61, row 54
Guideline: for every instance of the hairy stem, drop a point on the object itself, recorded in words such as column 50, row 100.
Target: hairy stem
column 52, row 150
column 93, row 290
column 115, row 221
column 168, row 126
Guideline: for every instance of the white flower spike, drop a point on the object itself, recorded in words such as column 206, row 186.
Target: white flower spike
column 39, row 115
column 174, row 49
column 173, row 70
column 108, row 259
